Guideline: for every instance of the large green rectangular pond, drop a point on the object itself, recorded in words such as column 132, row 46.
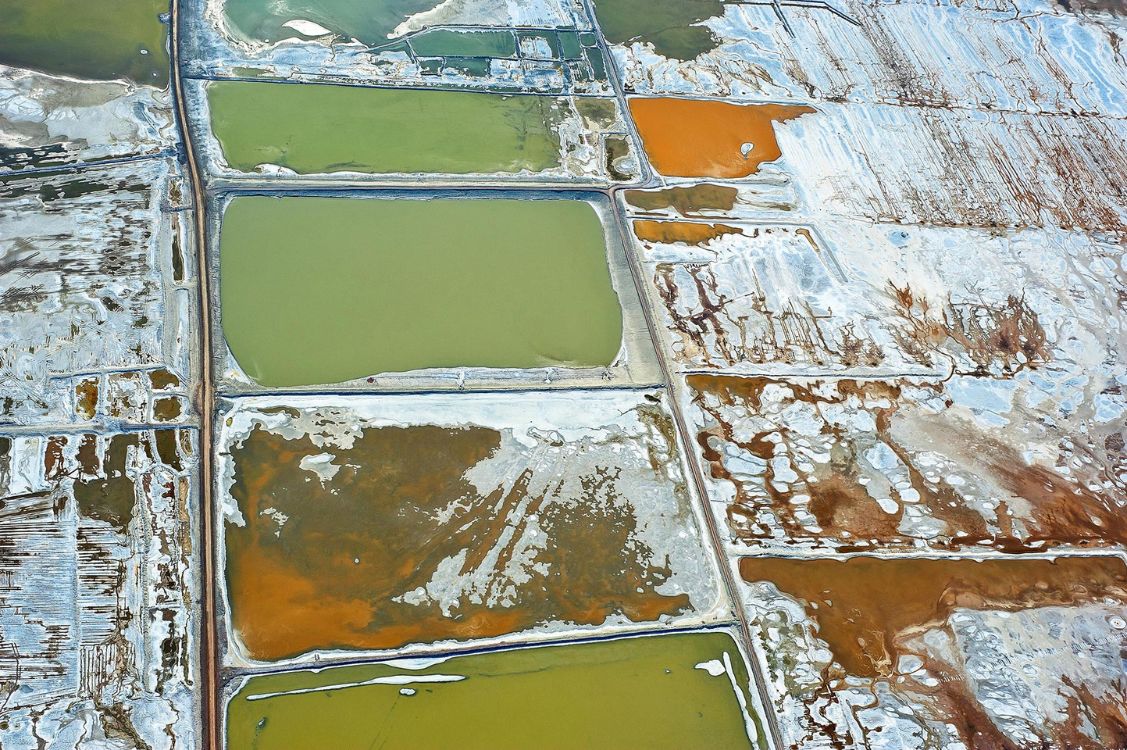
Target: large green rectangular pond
column 674, row 691
column 316, row 128
column 323, row 290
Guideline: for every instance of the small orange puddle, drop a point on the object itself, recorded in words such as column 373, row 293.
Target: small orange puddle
column 691, row 138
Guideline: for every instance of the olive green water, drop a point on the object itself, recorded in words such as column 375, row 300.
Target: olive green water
column 323, row 290
column 87, row 39
column 630, row 693
column 320, row 128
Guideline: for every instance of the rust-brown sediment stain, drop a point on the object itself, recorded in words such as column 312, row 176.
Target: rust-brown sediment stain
column 1007, row 335
column 1056, row 511
column 805, row 233
column 864, row 604
column 699, row 138
column 117, row 481
column 685, row 232
column 710, row 329
column 105, row 479
column 53, row 465
column 89, row 461
column 340, row 569
column 86, row 397
column 687, row 201
column 869, row 611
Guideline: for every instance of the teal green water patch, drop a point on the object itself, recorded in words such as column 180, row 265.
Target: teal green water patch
column 671, row 26
column 87, row 39
column 673, row 691
column 447, row 42
column 325, row 290
column 595, row 60
column 569, row 45
column 312, row 128
column 369, row 22
column 474, row 67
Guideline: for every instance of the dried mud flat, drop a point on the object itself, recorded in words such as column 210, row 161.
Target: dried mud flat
column 454, row 517
column 863, row 386
column 856, row 465
column 796, row 296
column 97, row 589
column 48, row 120
column 891, row 653
column 1030, row 55
column 94, row 296
column 742, row 297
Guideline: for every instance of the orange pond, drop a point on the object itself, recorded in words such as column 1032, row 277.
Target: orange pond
column 346, row 564
column 693, row 138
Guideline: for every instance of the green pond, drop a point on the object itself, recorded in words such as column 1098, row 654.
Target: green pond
column 671, row 26
column 447, row 42
column 629, row 693
column 323, row 290
column 369, row 22
column 99, row 40
column 322, row 128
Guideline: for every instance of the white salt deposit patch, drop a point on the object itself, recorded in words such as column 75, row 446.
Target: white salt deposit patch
column 714, row 667
column 308, row 28
column 395, row 679
column 320, row 464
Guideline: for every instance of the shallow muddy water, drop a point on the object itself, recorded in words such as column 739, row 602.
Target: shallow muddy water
column 864, row 605
column 324, row 290
column 697, row 138
column 122, row 39
column 456, row 530
column 692, row 200
column 312, row 128
column 655, row 692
